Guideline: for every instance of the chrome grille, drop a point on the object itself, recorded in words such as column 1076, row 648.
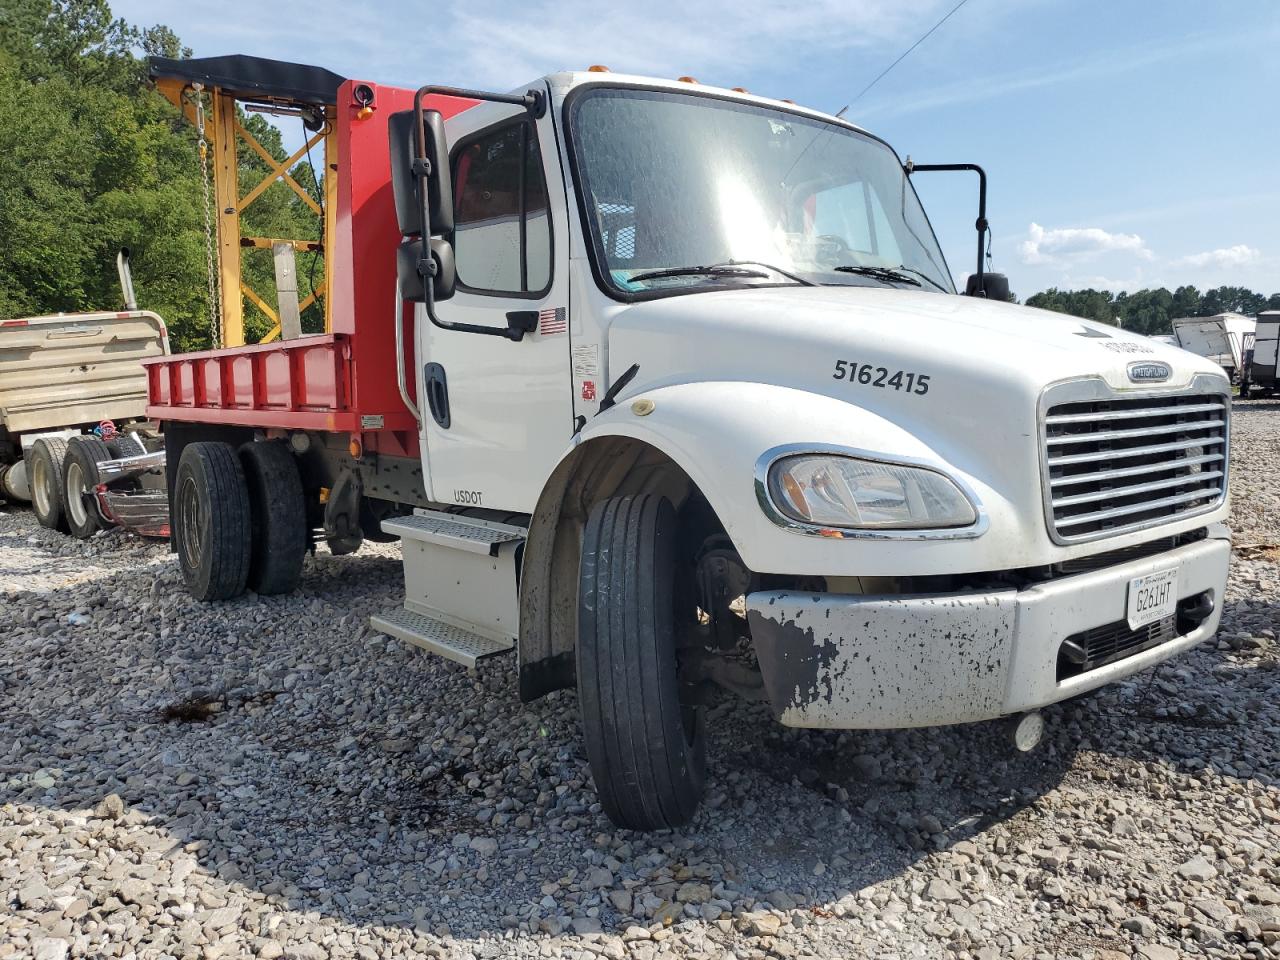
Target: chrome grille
column 1115, row 464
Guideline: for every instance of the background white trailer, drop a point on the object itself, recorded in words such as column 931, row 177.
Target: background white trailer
column 1261, row 375
column 1222, row 338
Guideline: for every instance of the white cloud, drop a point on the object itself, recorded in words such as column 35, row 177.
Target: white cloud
column 1073, row 244
column 1236, row 256
column 496, row 43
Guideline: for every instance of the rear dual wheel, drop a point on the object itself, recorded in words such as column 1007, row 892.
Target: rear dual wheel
column 277, row 515
column 79, row 477
column 45, row 465
column 238, row 519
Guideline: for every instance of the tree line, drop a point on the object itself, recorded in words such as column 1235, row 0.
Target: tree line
column 1152, row 311
column 92, row 160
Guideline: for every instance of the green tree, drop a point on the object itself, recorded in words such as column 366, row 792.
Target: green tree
column 1152, row 311
column 92, row 159
column 1186, row 302
column 1146, row 311
column 1090, row 304
column 1231, row 300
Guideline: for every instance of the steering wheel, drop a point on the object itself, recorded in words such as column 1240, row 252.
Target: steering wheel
column 833, row 250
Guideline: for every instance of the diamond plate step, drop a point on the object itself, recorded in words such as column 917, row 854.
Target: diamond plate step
column 450, row 530
column 436, row 636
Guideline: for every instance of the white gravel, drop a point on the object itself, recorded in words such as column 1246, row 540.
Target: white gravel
column 267, row 777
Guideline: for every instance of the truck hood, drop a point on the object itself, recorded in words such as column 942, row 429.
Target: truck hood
column 792, row 336
column 986, row 363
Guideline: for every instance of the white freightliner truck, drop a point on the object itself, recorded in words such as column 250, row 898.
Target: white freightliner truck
column 698, row 405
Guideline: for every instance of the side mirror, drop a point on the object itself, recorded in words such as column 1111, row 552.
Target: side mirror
column 995, row 286
column 405, row 183
column 412, row 282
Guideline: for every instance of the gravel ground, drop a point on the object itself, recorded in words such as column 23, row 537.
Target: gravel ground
column 267, row 777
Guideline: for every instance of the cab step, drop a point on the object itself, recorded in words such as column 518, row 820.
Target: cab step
column 436, row 636
column 461, row 590
column 459, row 533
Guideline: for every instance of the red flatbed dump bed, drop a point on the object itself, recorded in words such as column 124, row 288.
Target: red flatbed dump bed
column 300, row 384
column 343, row 381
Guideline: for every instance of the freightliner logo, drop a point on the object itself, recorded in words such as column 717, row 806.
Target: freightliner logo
column 1149, row 371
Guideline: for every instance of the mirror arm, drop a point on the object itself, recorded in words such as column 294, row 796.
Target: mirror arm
column 427, row 268
column 981, row 223
column 532, row 100
column 535, row 103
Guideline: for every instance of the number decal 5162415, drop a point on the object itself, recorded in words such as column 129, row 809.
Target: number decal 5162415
column 869, row 375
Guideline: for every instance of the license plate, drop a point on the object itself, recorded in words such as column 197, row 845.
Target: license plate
column 1153, row 597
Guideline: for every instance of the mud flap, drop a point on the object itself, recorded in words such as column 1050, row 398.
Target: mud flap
column 342, row 528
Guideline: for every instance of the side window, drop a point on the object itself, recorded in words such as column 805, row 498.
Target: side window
column 502, row 227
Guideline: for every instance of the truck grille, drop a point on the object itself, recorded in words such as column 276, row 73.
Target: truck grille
column 1116, row 465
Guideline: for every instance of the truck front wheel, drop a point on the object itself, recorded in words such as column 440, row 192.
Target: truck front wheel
column 646, row 748
column 45, row 462
column 210, row 523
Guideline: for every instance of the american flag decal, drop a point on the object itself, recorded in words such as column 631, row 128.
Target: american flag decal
column 552, row 321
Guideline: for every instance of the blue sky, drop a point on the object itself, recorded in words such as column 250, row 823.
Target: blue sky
column 1129, row 143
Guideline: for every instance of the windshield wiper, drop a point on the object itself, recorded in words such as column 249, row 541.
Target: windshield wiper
column 718, row 270
column 879, row 273
column 923, row 275
column 769, row 266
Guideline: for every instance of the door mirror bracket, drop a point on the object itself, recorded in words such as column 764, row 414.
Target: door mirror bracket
column 424, row 203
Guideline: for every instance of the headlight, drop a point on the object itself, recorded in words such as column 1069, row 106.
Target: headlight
column 834, row 491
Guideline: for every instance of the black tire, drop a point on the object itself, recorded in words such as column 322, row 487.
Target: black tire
column 278, row 515
column 80, row 476
column 45, row 477
column 646, row 749
column 125, row 445
column 211, row 525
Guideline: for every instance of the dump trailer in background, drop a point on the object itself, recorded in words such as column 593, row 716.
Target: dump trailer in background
column 68, row 383
column 1225, row 338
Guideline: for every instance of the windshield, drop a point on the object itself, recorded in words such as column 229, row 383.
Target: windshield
column 685, row 192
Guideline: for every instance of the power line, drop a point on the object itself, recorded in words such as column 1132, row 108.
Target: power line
column 905, row 54
column 844, row 109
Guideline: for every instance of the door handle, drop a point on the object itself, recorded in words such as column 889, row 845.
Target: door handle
column 437, row 387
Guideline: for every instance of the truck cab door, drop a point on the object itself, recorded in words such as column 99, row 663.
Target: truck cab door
column 496, row 414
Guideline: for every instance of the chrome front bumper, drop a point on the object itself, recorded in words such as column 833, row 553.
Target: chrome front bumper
column 841, row 661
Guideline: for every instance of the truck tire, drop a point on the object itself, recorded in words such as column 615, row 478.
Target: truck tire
column 124, row 445
column 80, row 476
column 211, row 524
column 646, row 749
column 278, row 515
column 46, row 458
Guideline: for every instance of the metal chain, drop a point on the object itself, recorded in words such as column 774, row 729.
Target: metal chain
column 214, row 277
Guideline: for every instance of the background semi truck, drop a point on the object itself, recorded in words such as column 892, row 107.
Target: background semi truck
column 667, row 391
